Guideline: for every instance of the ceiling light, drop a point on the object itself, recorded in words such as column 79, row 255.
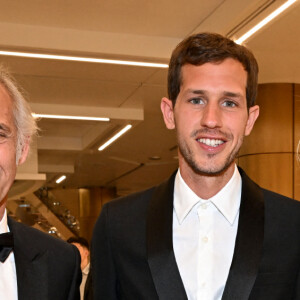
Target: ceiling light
column 69, row 117
column 116, row 136
column 265, row 21
column 60, row 179
column 84, row 59
column 155, row 157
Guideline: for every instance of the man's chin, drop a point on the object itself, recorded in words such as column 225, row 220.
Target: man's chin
column 212, row 171
column 212, row 166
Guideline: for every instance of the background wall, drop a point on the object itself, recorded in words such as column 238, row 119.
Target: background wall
column 90, row 203
column 297, row 141
column 269, row 153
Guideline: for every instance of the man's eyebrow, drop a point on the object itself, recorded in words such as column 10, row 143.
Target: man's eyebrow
column 197, row 92
column 5, row 128
column 232, row 95
column 204, row 92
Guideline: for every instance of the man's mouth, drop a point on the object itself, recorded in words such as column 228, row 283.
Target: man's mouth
column 211, row 142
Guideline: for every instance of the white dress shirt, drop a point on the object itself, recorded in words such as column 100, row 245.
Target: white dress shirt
column 204, row 233
column 85, row 273
column 8, row 275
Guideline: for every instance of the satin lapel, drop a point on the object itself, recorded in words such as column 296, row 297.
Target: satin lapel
column 249, row 243
column 161, row 256
column 31, row 265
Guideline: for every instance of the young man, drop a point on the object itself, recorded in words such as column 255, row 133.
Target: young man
column 209, row 232
column 33, row 265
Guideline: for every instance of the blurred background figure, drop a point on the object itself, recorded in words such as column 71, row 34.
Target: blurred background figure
column 83, row 246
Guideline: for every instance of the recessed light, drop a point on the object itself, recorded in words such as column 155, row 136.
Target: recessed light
column 84, row 59
column 60, row 179
column 63, row 117
column 155, row 157
column 265, row 21
column 116, row 136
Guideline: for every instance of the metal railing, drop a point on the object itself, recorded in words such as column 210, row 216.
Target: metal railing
column 29, row 215
column 63, row 213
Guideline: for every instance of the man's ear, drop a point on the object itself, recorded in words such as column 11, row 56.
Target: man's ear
column 24, row 152
column 252, row 117
column 167, row 110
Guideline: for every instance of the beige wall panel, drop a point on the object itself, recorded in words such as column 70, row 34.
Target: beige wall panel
column 297, row 180
column 86, row 227
column 273, row 131
column 297, row 140
column 85, row 208
column 84, row 202
column 91, row 202
column 270, row 171
column 107, row 195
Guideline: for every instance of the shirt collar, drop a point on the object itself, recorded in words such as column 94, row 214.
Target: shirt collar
column 227, row 200
column 3, row 223
column 184, row 198
column 86, row 269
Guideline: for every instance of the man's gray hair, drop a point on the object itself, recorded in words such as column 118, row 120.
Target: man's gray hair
column 25, row 123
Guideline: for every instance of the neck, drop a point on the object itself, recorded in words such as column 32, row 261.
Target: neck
column 206, row 186
column 84, row 263
column 2, row 207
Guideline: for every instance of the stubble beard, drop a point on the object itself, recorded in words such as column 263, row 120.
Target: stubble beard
column 190, row 158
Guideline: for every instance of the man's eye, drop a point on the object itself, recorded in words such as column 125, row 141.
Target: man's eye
column 3, row 136
column 196, row 101
column 229, row 103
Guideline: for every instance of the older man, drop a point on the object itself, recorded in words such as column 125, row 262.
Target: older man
column 209, row 232
column 33, row 265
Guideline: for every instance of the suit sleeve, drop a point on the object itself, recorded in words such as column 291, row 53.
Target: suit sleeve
column 104, row 275
column 74, row 293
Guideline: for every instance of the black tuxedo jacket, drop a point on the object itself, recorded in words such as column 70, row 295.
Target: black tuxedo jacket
column 133, row 258
column 47, row 268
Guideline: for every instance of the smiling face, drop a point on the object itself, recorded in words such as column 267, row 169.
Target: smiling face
column 8, row 135
column 210, row 116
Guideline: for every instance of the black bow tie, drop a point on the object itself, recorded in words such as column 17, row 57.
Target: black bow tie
column 6, row 245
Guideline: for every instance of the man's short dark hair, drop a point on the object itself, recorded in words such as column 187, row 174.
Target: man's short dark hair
column 204, row 48
column 79, row 240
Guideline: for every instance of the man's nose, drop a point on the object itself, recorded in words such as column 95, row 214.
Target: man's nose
column 212, row 116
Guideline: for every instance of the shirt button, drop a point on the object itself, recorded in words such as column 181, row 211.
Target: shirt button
column 204, row 206
column 205, row 239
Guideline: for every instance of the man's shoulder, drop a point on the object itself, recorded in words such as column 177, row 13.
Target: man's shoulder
column 282, row 216
column 274, row 203
column 32, row 237
column 134, row 200
column 268, row 194
column 135, row 205
column 278, row 200
column 141, row 198
column 123, row 214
